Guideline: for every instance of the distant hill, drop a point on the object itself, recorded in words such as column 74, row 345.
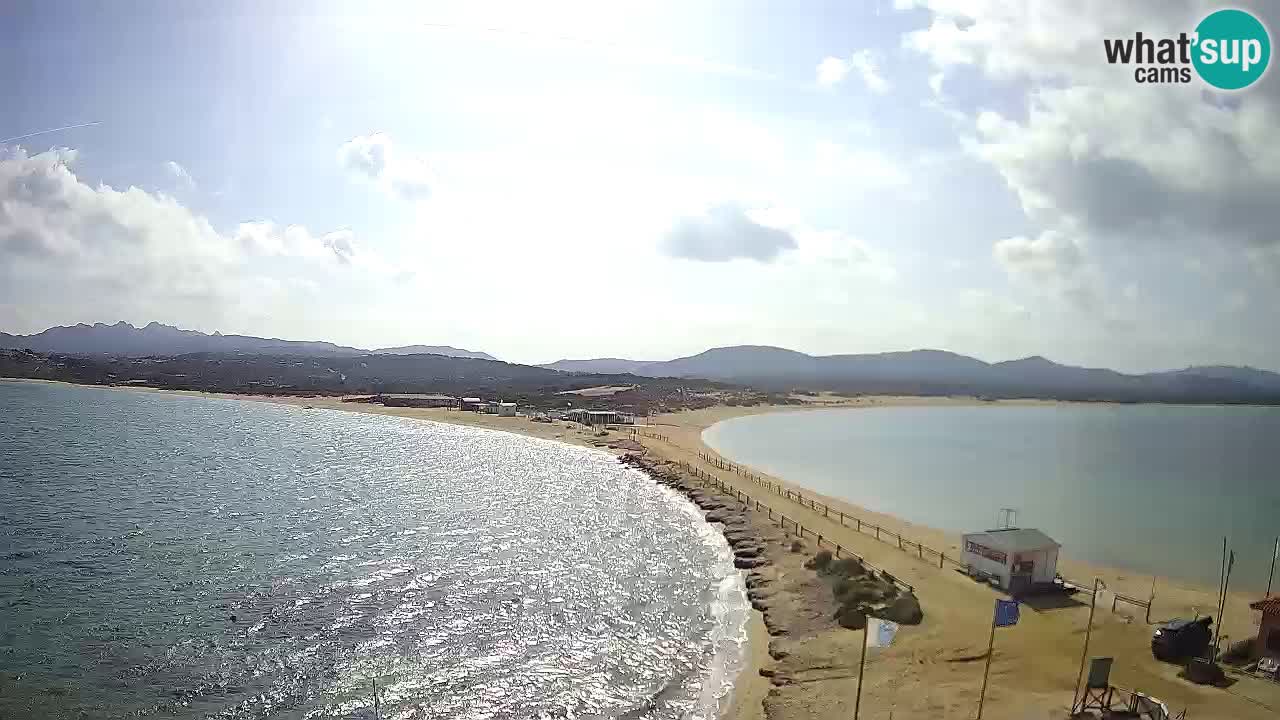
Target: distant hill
column 1261, row 379
column 346, row 374
column 156, row 339
column 445, row 350
column 938, row 372
column 912, row 372
column 613, row 366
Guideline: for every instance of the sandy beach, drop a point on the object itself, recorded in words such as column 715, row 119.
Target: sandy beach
column 933, row 670
column 929, row 673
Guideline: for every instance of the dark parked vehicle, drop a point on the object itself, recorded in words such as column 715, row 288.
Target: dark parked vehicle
column 1180, row 639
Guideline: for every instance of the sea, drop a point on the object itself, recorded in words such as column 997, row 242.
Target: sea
column 183, row 557
column 1152, row 489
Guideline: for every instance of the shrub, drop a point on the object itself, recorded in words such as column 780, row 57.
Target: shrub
column 848, row 567
column 851, row 616
column 819, row 562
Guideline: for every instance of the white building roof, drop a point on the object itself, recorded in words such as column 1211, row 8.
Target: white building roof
column 1014, row 539
column 471, row 400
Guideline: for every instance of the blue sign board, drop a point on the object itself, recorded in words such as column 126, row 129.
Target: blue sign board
column 1006, row 613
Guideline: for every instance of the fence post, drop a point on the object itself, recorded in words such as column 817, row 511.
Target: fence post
column 899, row 542
column 942, row 557
column 877, row 532
column 859, row 524
column 921, row 549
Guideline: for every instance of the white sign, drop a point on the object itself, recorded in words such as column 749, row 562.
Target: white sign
column 880, row 633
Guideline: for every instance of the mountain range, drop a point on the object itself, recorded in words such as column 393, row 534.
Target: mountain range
column 934, row 372
column 914, row 372
column 155, row 339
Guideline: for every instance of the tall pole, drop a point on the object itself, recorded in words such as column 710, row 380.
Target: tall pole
column 1151, row 600
column 862, row 667
column 1272, row 576
column 986, row 672
column 1085, row 655
column 1222, row 607
column 1222, row 577
column 1217, row 620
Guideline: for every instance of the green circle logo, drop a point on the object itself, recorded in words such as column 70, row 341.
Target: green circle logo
column 1232, row 49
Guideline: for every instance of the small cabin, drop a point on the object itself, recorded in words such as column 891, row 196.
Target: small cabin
column 473, row 404
column 1016, row 558
column 1268, row 640
column 506, row 409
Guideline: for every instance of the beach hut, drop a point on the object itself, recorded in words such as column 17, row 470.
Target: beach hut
column 1268, row 639
column 507, row 409
column 470, row 403
column 1017, row 558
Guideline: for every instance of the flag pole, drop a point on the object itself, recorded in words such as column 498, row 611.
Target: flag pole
column 1272, row 576
column 1075, row 697
column 1222, row 607
column 991, row 645
column 862, row 666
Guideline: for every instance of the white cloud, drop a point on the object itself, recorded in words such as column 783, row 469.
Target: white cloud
column 832, row 71
column 840, row 254
column 867, row 64
column 1053, row 264
column 376, row 158
column 935, row 83
column 1116, row 177
column 1051, row 255
column 104, row 238
column 96, row 252
column 268, row 239
column 1179, row 170
column 725, row 232
column 180, row 175
column 860, row 167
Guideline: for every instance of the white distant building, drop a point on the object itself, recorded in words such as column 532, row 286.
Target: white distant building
column 507, row 409
column 1018, row 558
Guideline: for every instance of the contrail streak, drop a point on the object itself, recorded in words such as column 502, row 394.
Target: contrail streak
column 53, row 130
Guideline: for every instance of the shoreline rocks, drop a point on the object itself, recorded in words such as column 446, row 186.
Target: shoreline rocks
column 749, row 545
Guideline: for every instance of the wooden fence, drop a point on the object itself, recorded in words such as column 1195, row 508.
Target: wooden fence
column 853, row 522
column 652, row 436
column 789, row 524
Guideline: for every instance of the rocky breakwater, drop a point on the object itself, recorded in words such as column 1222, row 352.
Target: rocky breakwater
column 753, row 542
column 812, row 604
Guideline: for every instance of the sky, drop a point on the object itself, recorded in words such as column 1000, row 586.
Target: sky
column 640, row 179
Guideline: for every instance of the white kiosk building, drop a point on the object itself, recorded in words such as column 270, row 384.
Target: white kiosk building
column 1017, row 558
